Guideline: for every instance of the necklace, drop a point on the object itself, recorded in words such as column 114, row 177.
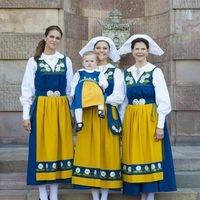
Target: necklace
column 137, row 72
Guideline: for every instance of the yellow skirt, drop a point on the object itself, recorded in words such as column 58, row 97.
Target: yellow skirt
column 97, row 155
column 91, row 95
column 54, row 153
column 141, row 153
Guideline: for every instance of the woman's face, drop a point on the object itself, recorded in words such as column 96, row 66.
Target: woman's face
column 102, row 50
column 140, row 51
column 53, row 40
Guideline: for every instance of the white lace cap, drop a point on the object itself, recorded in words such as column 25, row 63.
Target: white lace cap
column 153, row 46
column 113, row 55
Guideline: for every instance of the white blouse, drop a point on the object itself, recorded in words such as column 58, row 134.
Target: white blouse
column 102, row 80
column 117, row 96
column 28, row 87
column 161, row 92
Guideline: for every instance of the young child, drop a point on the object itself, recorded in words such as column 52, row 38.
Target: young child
column 87, row 88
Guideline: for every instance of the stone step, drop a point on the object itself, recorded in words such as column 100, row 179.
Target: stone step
column 14, row 158
column 182, row 194
column 13, row 181
column 13, row 194
column 17, row 181
column 13, row 164
column 188, row 179
column 186, row 158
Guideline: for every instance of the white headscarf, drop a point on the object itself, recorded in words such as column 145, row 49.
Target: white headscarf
column 113, row 55
column 153, row 46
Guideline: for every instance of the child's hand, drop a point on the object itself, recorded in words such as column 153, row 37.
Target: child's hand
column 72, row 98
column 103, row 87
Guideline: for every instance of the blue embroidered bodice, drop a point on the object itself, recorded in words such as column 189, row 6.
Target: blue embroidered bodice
column 142, row 91
column 46, row 79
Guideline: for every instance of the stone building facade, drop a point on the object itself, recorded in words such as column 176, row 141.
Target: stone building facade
column 174, row 24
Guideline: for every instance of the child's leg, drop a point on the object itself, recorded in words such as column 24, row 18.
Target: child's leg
column 143, row 196
column 150, row 196
column 95, row 194
column 79, row 115
column 101, row 111
column 100, row 107
column 43, row 192
column 54, row 192
column 79, row 120
column 104, row 194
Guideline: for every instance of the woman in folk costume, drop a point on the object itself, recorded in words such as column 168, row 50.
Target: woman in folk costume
column 48, row 120
column 147, row 165
column 97, row 155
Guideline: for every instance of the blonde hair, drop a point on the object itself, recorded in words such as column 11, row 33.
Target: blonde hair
column 87, row 53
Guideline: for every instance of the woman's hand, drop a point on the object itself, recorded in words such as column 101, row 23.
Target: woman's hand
column 159, row 135
column 103, row 88
column 71, row 98
column 27, row 125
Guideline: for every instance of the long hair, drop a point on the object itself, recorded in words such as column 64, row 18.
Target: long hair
column 41, row 45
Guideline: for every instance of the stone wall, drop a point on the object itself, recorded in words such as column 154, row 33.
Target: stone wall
column 22, row 25
column 185, row 67
column 174, row 24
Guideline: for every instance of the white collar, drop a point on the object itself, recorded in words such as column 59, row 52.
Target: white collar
column 146, row 68
column 55, row 55
column 106, row 66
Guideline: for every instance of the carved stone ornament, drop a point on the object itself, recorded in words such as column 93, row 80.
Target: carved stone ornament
column 115, row 29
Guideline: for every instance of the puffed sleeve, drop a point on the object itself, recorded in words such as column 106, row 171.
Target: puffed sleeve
column 28, row 87
column 102, row 80
column 74, row 83
column 118, row 94
column 122, row 107
column 69, row 76
column 162, row 96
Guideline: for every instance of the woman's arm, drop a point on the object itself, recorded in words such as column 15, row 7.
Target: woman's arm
column 118, row 94
column 28, row 87
column 162, row 96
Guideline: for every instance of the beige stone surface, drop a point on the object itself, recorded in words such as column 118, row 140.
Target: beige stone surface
column 30, row 3
column 188, row 123
column 187, row 21
column 12, row 71
column 186, row 46
column 9, row 100
column 27, row 20
column 18, row 46
column 156, row 26
column 11, row 128
column 156, row 7
column 186, row 98
column 94, row 29
column 188, row 72
column 180, row 4
column 71, row 6
column 76, row 27
column 95, row 13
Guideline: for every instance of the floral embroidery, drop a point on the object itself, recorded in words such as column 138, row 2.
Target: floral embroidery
column 144, row 78
column 142, row 169
column 59, row 66
column 109, row 74
column 117, row 128
column 46, row 68
column 129, row 79
column 54, row 166
column 97, row 173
